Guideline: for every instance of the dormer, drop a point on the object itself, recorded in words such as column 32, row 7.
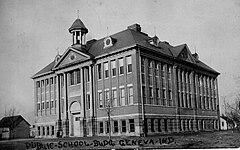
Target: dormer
column 154, row 41
column 108, row 42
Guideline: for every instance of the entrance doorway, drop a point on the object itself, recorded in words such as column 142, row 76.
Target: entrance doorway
column 75, row 110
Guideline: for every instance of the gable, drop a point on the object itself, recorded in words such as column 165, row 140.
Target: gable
column 71, row 56
column 186, row 55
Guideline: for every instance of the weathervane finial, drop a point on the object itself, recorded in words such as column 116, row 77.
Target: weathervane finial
column 154, row 30
column 107, row 31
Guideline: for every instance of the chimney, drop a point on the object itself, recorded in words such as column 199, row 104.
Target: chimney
column 195, row 55
column 135, row 27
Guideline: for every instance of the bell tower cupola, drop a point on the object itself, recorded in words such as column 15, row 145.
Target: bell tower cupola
column 78, row 31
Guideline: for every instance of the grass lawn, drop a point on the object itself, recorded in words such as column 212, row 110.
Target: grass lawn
column 217, row 139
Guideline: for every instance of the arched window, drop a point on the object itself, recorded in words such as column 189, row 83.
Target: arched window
column 75, row 108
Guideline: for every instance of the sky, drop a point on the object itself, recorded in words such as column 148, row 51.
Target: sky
column 33, row 32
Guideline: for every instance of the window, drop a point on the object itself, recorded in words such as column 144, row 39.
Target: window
column 150, row 65
column 99, row 71
column 170, row 98
column 101, row 127
column 52, row 130
column 106, row 70
column 152, row 125
column 129, row 64
column 51, row 104
column 200, row 101
column 114, row 96
column 143, row 78
column 100, row 100
column 107, row 126
column 121, row 67
column 130, row 95
column 77, row 118
column 190, row 100
column 47, row 130
column 122, row 96
column 164, row 94
column 163, row 67
column 47, row 83
column 164, row 97
column 186, row 99
column 72, row 78
column 166, row 125
column 169, row 72
column 157, row 93
column 131, row 124
column 170, row 125
column 159, row 125
column 42, row 83
column 150, row 80
column 39, row 131
column 38, row 84
column 124, row 126
column 144, row 94
column 142, row 65
column 170, row 94
column 150, row 92
column 47, row 105
column 215, row 103
column 158, row 96
column 207, row 102
column 113, row 67
column 43, row 130
column 156, row 69
column 51, row 81
column 88, row 101
column 78, row 37
column 87, row 74
column 78, row 76
column 115, row 123
column 38, row 106
column 151, row 95
column 42, row 105
column 204, row 102
column 107, row 100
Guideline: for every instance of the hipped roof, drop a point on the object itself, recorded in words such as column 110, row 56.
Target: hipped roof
column 126, row 39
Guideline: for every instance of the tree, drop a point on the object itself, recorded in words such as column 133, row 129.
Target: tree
column 232, row 110
column 12, row 111
column 109, row 109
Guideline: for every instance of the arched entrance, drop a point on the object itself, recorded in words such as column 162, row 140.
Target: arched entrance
column 75, row 112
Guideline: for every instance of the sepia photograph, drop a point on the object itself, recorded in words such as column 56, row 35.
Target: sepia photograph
column 111, row 74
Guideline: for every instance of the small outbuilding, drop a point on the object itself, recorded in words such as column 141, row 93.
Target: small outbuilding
column 14, row 127
column 227, row 123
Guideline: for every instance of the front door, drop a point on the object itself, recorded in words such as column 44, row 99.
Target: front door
column 76, row 124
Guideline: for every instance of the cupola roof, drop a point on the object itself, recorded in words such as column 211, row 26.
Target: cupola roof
column 78, row 25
